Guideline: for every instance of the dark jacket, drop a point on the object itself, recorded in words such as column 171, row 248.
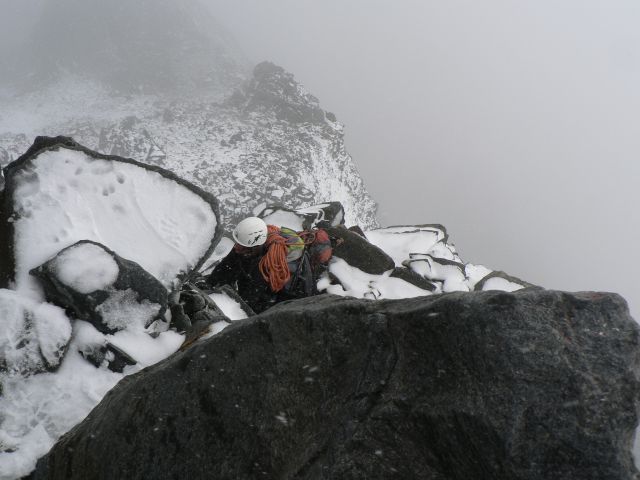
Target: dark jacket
column 240, row 270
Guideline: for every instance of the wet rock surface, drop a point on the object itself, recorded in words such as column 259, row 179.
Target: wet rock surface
column 527, row 385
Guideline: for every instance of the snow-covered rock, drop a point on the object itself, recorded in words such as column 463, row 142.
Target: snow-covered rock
column 59, row 193
column 402, row 241
column 358, row 252
column 426, row 251
column 97, row 285
column 497, row 280
column 353, row 282
column 325, row 215
column 34, row 336
column 449, row 273
column 56, row 195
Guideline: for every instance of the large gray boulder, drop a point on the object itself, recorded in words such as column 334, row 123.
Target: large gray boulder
column 485, row 385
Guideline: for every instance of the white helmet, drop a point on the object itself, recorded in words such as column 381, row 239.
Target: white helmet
column 250, row 232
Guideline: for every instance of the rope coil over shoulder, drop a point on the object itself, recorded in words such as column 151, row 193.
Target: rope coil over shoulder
column 284, row 246
column 273, row 265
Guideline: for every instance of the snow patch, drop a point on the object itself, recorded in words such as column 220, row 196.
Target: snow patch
column 282, row 218
column 123, row 310
column 145, row 349
column 86, row 268
column 450, row 273
column 400, row 242
column 497, row 283
column 356, row 283
column 229, row 306
column 65, row 196
column 32, row 335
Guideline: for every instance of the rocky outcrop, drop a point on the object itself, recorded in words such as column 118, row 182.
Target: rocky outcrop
column 59, row 192
column 95, row 284
column 527, row 385
column 274, row 91
column 358, row 252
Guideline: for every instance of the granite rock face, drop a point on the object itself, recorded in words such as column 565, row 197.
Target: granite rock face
column 527, row 385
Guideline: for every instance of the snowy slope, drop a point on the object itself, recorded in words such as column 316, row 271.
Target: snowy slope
column 269, row 142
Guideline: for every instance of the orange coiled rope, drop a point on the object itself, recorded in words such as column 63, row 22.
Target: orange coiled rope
column 273, row 265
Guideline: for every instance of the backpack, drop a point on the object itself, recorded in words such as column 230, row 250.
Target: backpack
column 298, row 253
column 318, row 245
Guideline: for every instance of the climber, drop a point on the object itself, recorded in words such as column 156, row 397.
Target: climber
column 269, row 264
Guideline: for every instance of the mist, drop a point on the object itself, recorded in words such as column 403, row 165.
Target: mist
column 514, row 124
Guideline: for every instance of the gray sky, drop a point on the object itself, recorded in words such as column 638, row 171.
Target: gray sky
column 515, row 124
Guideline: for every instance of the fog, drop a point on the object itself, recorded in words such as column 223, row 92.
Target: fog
column 515, row 124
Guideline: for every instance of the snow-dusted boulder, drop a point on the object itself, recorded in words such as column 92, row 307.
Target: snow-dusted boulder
column 501, row 281
column 349, row 281
column 325, row 215
column 34, row 336
column 59, row 193
column 358, row 252
column 425, row 250
column 95, row 284
column 413, row 278
column 450, row 273
column 400, row 242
